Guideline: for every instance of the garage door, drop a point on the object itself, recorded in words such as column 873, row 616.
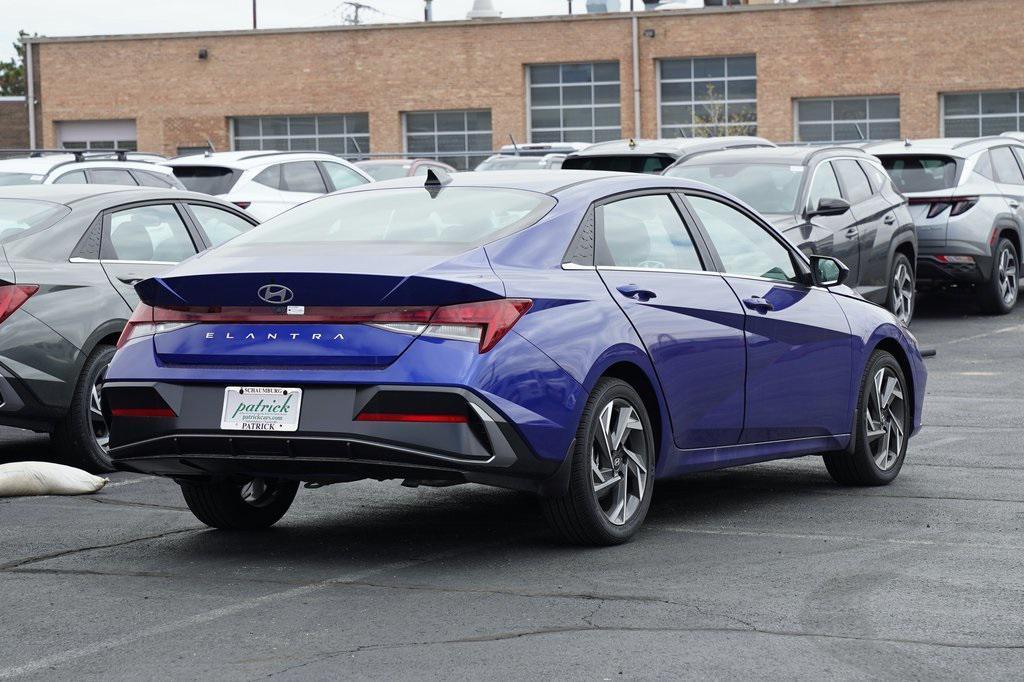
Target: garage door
column 97, row 134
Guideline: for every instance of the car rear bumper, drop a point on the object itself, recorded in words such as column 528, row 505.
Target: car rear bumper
column 933, row 268
column 19, row 406
column 331, row 445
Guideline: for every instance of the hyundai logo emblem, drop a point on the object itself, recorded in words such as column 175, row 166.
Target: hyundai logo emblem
column 275, row 293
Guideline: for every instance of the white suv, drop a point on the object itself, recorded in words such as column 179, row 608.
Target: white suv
column 80, row 168
column 266, row 183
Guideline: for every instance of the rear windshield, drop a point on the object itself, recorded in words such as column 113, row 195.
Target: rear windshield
column 768, row 188
column 628, row 163
column 7, row 179
column 18, row 216
column 457, row 215
column 207, row 179
column 921, row 173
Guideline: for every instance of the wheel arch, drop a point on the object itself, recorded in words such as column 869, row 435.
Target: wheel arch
column 639, row 379
column 1009, row 232
column 893, row 347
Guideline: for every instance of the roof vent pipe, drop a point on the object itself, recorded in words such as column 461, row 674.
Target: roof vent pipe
column 483, row 9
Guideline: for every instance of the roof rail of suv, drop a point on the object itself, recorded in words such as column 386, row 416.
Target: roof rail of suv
column 984, row 138
column 835, row 148
column 79, row 154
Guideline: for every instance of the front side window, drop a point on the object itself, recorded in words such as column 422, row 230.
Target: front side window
column 462, row 139
column 347, row 135
column 982, row 113
column 302, row 176
column 456, row 215
column 575, row 102
column 342, row 177
column 218, row 224
column 853, row 179
column 823, row 186
column 1006, row 166
column 847, row 119
column 645, row 233
column 745, row 247
column 768, row 188
column 148, row 233
column 708, row 96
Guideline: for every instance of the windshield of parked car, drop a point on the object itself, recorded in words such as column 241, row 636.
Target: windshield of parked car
column 459, row 215
column 512, row 163
column 767, row 187
column 920, row 173
column 626, row 163
column 385, row 171
column 17, row 216
column 207, row 179
column 7, row 179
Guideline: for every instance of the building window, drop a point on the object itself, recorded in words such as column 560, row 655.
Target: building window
column 346, row 135
column 574, row 102
column 461, row 139
column 982, row 113
column 847, row 119
column 708, row 96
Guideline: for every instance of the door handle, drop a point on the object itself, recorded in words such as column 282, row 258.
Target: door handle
column 889, row 219
column 132, row 281
column 636, row 291
column 758, row 303
column 851, row 233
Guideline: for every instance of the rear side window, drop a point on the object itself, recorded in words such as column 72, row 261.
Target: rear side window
column 456, row 215
column 207, row 179
column 302, row 176
column 148, row 179
column 148, row 233
column 73, row 178
column 630, row 163
column 853, row 180
column 646, row 233
column 218, row 224
column 912, row 173
column 111, row 176
column 342, row 177
column 876, row 176
column 983, row 166
column 1006, row 166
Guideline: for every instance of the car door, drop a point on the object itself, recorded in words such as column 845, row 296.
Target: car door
column 877, row 233
column 866, row 216
column 799, row 347
column 826, row 235
column 1010, row 178
column 142, row 241
column 687, row 317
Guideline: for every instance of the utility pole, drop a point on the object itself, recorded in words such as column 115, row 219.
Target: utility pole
column 570, row 6
column 356, row 8
column 254, row 15
column 428, row 10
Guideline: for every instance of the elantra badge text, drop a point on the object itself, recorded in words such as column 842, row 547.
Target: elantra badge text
column 274, row 336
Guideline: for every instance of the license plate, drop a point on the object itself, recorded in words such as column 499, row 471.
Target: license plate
column 257, row 408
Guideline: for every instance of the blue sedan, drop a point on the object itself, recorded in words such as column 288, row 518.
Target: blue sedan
column 575, row 334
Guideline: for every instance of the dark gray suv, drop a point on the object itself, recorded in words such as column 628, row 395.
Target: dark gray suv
column 830, row 201
column 70, row 256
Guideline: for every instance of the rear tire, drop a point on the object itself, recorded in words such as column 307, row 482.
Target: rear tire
column 80, row 438
column 240, row 506
column 882, row 428
column 998, row 295
column 901, row 297
column 611, row 478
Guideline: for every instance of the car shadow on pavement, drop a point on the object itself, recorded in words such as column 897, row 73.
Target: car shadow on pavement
column 24, row 446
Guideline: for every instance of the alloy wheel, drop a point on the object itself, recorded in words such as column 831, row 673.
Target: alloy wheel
column 100, row 428
column 619, row 460
column 902, row 293
column 885, row 418
column 258, row 492
column 1008, row 276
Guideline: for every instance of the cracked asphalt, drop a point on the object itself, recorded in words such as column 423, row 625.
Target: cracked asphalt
column 768, row 570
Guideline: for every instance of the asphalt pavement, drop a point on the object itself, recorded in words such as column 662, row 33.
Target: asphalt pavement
column 768, row 570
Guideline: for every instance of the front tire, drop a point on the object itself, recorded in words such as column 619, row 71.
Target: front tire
column 901, row 299
column 882, row 428
column 81, row 437
column 611, row 478
column 998, row 296
column 255, row 504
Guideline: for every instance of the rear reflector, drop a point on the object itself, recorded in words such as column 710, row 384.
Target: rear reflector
column 12, row 296
column 408, row 417
column 955, row 259
column 142, row 412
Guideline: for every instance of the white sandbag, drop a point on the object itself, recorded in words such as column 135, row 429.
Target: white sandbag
column 46, row 478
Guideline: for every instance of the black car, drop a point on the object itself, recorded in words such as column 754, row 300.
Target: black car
column 653, row 156
column 830, row 201
column 70, row 256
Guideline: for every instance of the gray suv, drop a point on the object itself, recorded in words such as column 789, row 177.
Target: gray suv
column 70, row 256
column 829, row 201
column 967, row 200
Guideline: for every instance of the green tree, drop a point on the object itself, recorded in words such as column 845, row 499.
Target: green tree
column 12, row 71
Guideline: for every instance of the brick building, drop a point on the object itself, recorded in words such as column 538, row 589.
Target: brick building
column 837, row 70
column 13, row 123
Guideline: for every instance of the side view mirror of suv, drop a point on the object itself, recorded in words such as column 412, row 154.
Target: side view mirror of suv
column 830, row 206
column 827, row 271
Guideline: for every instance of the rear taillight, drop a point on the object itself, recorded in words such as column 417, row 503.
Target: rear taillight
column 12, row 296
column 483, row 323
column 957, row 205
column 962, row 205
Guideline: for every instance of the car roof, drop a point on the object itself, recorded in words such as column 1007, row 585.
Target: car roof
column 961, row 147
column 73, row 193
column 247, row 159
column 797, row 155
column 671, row 146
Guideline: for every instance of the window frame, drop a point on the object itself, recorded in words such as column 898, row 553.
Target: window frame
column 833, row 121
column 105, row 248
column 980, row 117
column 680, row 211
column 661, row 103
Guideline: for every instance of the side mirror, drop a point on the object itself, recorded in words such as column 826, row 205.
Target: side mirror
column 830, row 206
column 827, row 271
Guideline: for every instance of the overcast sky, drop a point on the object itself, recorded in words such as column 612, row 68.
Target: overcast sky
column 91, row 17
